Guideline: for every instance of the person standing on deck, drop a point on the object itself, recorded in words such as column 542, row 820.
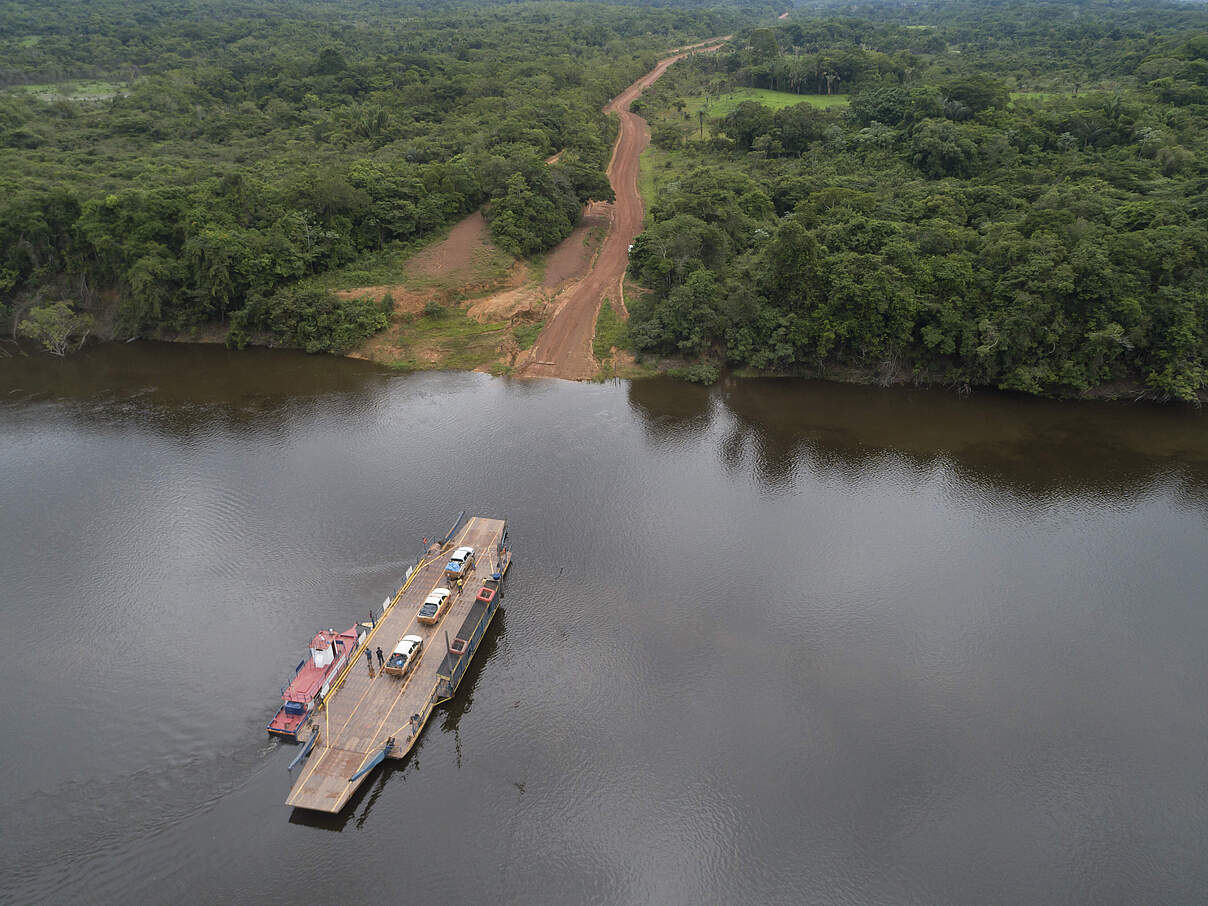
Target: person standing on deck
column 381, row 660
column 369, row 660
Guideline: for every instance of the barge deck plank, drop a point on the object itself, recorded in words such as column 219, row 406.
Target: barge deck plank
column 369, row 707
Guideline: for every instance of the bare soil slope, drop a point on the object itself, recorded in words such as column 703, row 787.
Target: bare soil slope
column 456, row 254
column 571, row 258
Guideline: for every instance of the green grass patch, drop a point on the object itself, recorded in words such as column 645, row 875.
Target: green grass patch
column 646, row 178
column 386, row 266
column 451, row 340
column 30, row 41
column 716, row 107
column 526, row 334
column 490, row 265
column 536, row 267
column 656, row 167
column 611, row 330
column 774, row 100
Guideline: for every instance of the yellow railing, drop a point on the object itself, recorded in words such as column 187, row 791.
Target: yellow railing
column 347, row 668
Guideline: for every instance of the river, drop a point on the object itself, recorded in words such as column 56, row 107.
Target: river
column 772, row 641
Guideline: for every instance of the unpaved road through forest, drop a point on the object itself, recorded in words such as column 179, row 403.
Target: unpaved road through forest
column 563, row 349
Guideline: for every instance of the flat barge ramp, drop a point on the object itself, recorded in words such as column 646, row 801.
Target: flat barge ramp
column 368, row 715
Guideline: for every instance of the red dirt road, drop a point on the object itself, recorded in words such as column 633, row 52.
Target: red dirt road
column 563, row 349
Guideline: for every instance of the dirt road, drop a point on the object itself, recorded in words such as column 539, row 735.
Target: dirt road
column 564, row 348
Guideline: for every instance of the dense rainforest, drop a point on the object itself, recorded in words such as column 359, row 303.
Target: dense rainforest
column 978, row 193
column 971, row 193
column 169, row 164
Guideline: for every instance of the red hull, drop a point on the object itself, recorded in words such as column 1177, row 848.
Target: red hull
column 311, row 682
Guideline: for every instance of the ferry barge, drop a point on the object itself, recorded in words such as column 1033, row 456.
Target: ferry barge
column 367, row 715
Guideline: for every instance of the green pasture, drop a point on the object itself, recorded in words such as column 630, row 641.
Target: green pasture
column 774, row 100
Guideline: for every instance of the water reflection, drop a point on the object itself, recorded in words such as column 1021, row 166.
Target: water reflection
column 178, row 388
column 671, row 411
column 772, row 429
column 463, row 701
column 1038, row 448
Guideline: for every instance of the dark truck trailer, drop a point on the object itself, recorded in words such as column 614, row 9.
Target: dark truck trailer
column 473, row 628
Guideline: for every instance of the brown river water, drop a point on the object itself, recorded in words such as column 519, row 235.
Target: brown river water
column 767, row 642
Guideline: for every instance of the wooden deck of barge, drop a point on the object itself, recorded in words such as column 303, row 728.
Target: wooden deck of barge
column 367, row 708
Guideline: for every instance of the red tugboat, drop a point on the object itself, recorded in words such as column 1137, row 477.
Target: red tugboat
column 329, row 651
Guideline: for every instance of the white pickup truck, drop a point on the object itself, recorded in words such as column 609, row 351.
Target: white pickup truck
column 460, row 563
column 434, row 606
column 405, row 656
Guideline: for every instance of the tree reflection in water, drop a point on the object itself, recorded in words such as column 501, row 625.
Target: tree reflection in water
column 776, row 429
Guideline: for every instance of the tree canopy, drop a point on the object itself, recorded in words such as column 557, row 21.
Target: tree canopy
column 189, row 162
column 1014, row 196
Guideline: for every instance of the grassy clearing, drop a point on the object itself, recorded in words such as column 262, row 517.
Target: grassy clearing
column 487, row 266
column 611, row 332
column 526, row 334
column 387, row 266
column 536, row 268
column 657, row 167
column 717, row 107
column 774, row 100
column 450, row 340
